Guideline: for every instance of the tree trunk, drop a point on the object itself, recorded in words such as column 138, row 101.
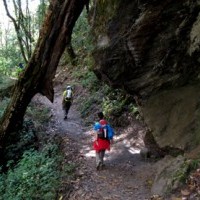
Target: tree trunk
column 40, row 71
column 71, row 54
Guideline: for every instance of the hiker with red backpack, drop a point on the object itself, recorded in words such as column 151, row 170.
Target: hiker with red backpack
column 102, row 142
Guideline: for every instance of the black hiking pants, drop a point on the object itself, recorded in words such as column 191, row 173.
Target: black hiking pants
column 66, row 107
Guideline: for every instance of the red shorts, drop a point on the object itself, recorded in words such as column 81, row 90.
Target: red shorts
column 101, row 144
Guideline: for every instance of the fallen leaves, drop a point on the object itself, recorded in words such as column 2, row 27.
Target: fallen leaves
column 185, row 192
column 156, row 197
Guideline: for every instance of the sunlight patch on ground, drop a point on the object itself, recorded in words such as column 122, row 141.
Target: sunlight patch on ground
column 91, row 153
column 87, row 151
column 120, row 137
column 131, row 145
column 120, row 151
column 134, row 150
column 127, row 143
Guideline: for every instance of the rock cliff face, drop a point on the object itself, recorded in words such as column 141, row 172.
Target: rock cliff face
column 151, row 49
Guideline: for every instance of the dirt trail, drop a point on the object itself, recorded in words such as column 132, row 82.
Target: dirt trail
column 125, row 177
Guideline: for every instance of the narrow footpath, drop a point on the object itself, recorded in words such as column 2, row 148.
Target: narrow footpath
column 125, row 177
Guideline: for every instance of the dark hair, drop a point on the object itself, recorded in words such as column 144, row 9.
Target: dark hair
column 100, row 115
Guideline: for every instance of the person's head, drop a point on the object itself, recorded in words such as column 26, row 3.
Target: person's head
column 100, row 115
column 69, row 87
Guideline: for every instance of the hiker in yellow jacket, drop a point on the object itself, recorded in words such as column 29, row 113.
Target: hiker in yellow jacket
column 67, row 100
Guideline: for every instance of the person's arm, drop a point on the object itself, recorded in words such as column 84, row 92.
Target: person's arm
column 95, row 133
column 111, row 141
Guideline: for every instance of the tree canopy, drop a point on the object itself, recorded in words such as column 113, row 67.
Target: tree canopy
column 55, row 35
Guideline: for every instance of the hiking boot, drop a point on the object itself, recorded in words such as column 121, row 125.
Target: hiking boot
column 103, row 166
column 99, row 166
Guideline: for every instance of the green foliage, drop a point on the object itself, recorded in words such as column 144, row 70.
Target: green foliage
column 10, row 55
column 41, row 10
column 38, row 112
column 5, row 82
column 182, row 173
column 87, row 104
column 3, row 106
column 18, row 142
column 6, row 85
column 26, row 33
column 31, row 173
column 81, row 43
column 114, row 103
column 36, row 176
column 134, row 110
column 105, row 9
column 81, row 37
column 90, row 81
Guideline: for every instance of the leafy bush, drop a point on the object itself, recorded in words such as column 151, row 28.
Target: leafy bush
column 90, row 81
column 114, row 103
column 39, row 113
column 36, row 176
column 10, row 56
column 20, row 141
column 87, row 104
column 183, row 172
